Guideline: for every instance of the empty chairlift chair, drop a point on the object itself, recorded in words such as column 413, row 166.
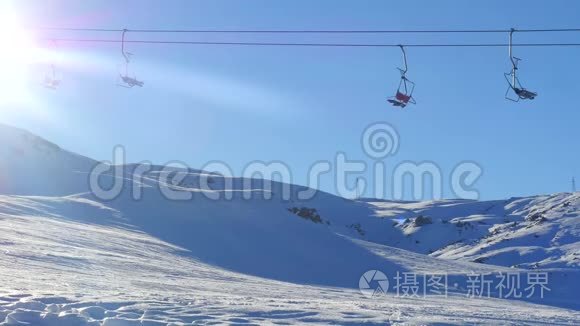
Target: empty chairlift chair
column 126, row 80
column 513, row 81
column 404, row 95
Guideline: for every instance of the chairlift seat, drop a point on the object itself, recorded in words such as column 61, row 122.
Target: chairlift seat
column 132, row 81
column 51, row 83
column 397, row 103
column 524, row 93
column 404, row 98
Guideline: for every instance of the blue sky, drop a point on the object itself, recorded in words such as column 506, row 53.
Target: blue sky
column 302, row 105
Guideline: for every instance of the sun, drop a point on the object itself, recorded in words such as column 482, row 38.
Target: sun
column 17, row 55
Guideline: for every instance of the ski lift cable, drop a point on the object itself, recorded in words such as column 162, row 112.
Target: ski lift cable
column 535, row 30
column 417, row 45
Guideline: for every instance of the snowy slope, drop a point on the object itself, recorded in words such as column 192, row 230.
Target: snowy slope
column 31, row 165
column 71, row 256
column 534, row 232
column 59, row 270
column 257, row 236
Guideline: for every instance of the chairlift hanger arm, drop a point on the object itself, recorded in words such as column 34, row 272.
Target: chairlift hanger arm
column 52, row 64
column 404, row 71
column 513, row 59
column 125, row 54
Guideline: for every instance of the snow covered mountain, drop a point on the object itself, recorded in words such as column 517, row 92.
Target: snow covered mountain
column 70, row 258
column 31, row 165
column 533, row 232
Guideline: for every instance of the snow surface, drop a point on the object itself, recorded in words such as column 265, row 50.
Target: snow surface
column 541, row 231
column 68, row 258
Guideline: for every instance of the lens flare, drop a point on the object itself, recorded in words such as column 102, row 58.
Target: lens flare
column 17, row 54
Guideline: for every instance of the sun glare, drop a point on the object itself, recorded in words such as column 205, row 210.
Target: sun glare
column 17, row 54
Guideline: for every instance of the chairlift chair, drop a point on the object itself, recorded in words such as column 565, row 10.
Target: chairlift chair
column 51, row 83
column 129, row 82
column 520, row 92
column 404, row 94
column 51, row 80
column 513, row 80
